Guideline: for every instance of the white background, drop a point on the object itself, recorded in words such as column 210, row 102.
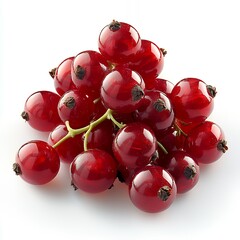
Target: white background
column 202, row 40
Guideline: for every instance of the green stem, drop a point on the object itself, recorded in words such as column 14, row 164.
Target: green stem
column 118, row 124
column 179, row 130
column 73, row 132
column 86, row 135
column 162, row 147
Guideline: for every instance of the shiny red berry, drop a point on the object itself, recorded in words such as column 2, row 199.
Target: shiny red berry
column 148, row 61
column 184, row 170
column 161, row 85
column 37, row 162
column 152, row 189
column 101, row 136
column 88, row 71
column 122, row 90
column 40, row 111
column 93, row 171
column 68, row 149
column 156, row 111
column 134, row 145
column 119, row 42
column 206, row 143
column 192, row 100
column 76, row 107
column 62, row 76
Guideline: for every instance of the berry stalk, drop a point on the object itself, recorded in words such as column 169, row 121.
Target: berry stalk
column 87, row 129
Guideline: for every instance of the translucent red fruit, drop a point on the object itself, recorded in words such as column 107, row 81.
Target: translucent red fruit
column 40, row 111
column 62, row 76
column 119, row 42
column 184, row 170
column 152, row 189
column 148, row 61
column 68, row 149
column 156, row 111
column 88, row 71
column 93, row 171
column 37, row 162
column 134, row 145
column 161, row 85
column 206, row 143
column 122, row 90
column 76, row 107
column 192, row 100
column 101, row 137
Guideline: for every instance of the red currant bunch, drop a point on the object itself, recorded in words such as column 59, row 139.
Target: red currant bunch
column 112, row 118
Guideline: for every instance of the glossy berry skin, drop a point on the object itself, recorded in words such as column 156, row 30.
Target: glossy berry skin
column 170, row 141
column 101, row 136
column 37, row 162
column 119, row 42
column 152, row 189
column 134, row 145
column 93, row 171
column 192, row 100
column 40, row 111
column 149, row 61
column 161, row 85
column 206, row 143
column 62, row 76
column 68, row 149
column 184, row 170
column 76, row 107
column 88, row 71
column 122, row 90
column 156, row 111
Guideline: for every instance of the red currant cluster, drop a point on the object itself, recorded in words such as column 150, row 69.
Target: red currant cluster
column 113, row 118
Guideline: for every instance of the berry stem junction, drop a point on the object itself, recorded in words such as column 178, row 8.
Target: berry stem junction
column 87, row 129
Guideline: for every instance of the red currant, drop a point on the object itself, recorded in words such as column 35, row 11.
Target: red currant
column 101, row 137
column 161, row 85
column 156, row 111
column 134, row 145
column 206, row 143
column 152, row 189
column 37, row 162
column 119, row 42
column 40, row 111
column 184, row 170
column 148, row 61
column 68, row 149
column 192, row 100
column 93, row 171
column 62, row 76
column 76, row 107
column 122, row 90
column 88, row 71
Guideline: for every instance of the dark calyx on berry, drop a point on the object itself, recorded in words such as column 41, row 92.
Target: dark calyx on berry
column 74, row 187
column 164, row 51
column 137, row 93
column 120, row 177
column 17, row 169
column 222, row 146
column 211, row 91
column 70, row 102
column 114, row 26
column 190, row 172
column 80, row 72
column 159, row 105
column 164, row 193
column 25, row 116
column 53, row 72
